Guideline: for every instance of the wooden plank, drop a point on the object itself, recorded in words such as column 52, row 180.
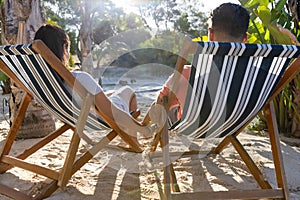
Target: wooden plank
column 158, row 154
column 174, row 185
column 10, row 138
column 188, row 47
column 259, row 177
column 276, row 150
column 288, row 76
column 221, row 146
column 156, row 140
column 290, row 73
column 103, row 142
column 52, row 187
column 136, row 113
column 47, row 191
column 66, row 171
column 59, row 67
column 44, row 141
column 233, row 194
column 130, row 140
column 9, row 192
column 38, row 145
column 166, row 156
column 30, row 167
column 13, row 77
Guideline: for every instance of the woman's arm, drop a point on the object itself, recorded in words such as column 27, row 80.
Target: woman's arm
column 118, row 119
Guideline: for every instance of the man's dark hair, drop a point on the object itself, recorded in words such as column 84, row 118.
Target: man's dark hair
column 231, row 19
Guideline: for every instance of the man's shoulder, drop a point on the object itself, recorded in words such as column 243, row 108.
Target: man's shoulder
column 186, row 71
column 187, row 68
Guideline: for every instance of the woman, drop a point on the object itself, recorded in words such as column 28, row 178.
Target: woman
column 114, row 108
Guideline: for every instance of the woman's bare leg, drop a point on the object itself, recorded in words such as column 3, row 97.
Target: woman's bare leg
column 133, row 102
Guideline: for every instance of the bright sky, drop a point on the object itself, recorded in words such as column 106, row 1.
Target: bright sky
column 211, row 4
column 208, row 4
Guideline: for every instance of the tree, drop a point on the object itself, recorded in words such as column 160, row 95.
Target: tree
column 85, row 35
column 194, row 25
column 175, row 15
column 95, row 21
column 20, row 20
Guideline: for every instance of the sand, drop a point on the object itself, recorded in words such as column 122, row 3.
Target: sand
column 118, row 174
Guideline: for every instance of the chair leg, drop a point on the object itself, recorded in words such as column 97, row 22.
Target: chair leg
column 52, row 187
column 173, row 180
column 38, row 146
column 166, row 156
column 174, row 185
column 276, row 150
column 250, row 163
column 166, row 163
column 6, row 147
column 73, row 148
column 221, row 146
column 157, row 139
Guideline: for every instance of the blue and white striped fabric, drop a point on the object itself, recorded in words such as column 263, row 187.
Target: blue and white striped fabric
column 229, row 84
column 45, row 84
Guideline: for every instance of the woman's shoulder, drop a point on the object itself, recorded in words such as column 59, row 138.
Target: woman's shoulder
column 79, row 73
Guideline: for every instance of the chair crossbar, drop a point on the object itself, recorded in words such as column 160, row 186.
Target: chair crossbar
column 234, row 194
column 30, row 167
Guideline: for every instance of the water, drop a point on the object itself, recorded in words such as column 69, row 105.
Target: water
column 145, row 81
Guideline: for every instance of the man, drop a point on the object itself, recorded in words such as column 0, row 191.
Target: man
column 227, row 23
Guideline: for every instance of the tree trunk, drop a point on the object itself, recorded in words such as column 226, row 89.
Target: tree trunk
column 20, row 21
column 86, row 37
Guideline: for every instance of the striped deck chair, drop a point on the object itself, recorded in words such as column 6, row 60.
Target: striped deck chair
column 37, row 71
column 229, row 84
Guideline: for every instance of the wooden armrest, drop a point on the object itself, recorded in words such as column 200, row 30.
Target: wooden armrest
column 136, row 113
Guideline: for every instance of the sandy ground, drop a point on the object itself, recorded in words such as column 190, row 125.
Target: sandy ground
column 118, row 174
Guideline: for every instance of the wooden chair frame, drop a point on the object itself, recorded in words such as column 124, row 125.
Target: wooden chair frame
column 171, row 189
column 71, row 165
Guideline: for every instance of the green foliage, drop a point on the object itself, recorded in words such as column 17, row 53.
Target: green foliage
column 169, row 40
column 71, row 62
column 175, row 15
column 3, row 76
column 65, row 14
column 264, row 20
column 108, row 27
column 103, row 30
column 74, row 41
column 107, row 52
column 194, row 26
column 266, row 15
column 173, row 18
column 163, row 13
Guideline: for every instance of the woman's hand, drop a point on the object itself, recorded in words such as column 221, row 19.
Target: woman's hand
column 158, row 117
